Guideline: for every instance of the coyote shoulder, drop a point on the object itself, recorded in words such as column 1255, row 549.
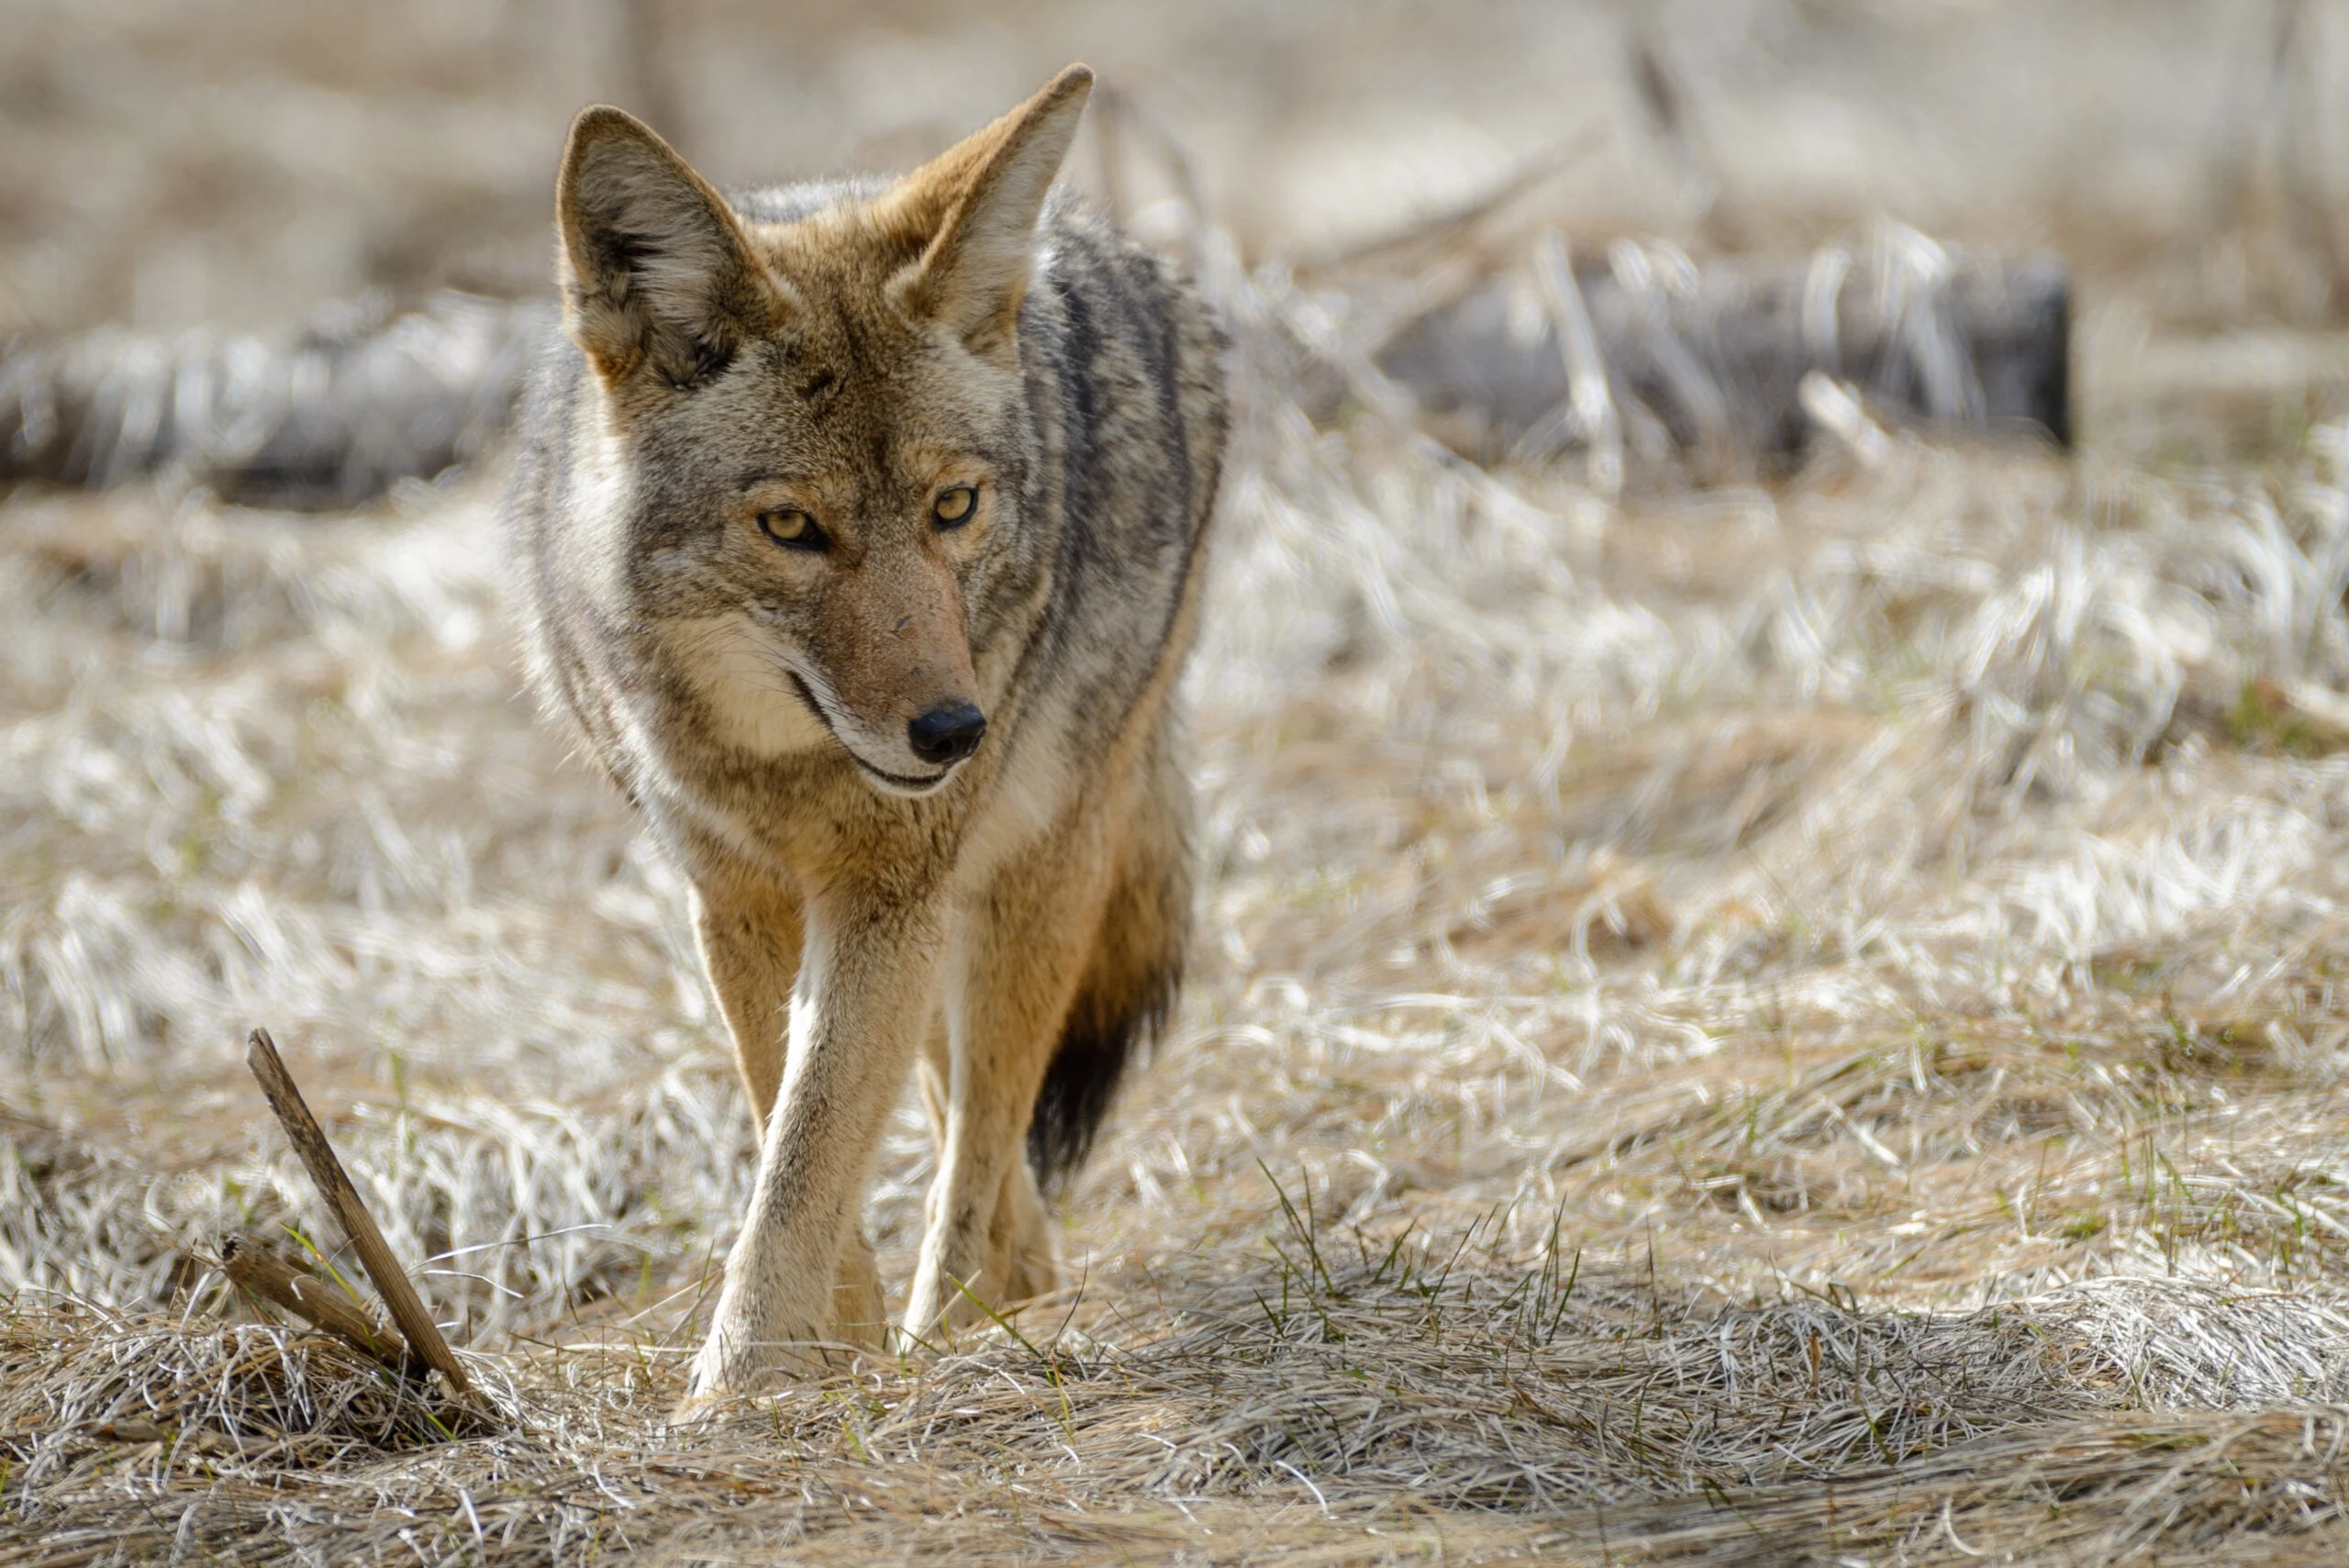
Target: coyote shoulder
column 857, row 528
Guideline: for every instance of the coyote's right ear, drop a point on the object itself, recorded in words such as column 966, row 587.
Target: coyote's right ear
column 657, row 277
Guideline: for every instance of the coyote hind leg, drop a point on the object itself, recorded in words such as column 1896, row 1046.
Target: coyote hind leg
column 1021, row 950
column 1019, row 1245
column 1109, row 903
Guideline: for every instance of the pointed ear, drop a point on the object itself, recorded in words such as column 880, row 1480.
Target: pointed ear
column 658, row 279
column 973, row 209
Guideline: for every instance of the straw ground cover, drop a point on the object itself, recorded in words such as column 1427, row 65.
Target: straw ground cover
column 1763, row 1023
column 1782, row 1024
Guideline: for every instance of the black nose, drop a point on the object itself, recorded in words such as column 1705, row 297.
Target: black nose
column 946, row 733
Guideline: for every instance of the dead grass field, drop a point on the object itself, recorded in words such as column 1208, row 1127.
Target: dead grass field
column 1802, row 1023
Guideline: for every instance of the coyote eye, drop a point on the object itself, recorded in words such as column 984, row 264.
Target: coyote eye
column 954, row 505
column 792, row 528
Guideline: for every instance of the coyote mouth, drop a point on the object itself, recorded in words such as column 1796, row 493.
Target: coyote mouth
column 903, row 783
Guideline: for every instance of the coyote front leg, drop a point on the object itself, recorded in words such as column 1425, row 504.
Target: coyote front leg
column 866, row 984
column 1022, row 949
column 752, row 931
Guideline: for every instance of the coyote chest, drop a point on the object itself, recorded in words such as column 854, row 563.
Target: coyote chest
column 858, row 532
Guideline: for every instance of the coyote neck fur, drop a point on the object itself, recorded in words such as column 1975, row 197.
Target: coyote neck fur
column 857, row 532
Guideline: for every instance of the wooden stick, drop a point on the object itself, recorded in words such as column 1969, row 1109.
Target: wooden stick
column 253, row 1267
column 392, row 1284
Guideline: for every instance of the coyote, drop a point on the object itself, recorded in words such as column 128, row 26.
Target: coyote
column 858, row 528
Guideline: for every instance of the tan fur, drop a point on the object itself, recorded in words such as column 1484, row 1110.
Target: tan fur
column 740, row 589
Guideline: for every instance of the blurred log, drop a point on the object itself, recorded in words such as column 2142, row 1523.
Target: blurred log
column 391, row 1281
column 1699, row 365
column 1711, row 361
column 335, row 418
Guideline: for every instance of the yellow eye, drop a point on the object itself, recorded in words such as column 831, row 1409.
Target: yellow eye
column 955, row 504
column 790, row 527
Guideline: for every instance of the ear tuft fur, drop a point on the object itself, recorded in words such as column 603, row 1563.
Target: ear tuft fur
column 658, row 279
column 973, row 211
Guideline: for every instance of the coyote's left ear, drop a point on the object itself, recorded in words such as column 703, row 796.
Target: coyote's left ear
column 973, row 208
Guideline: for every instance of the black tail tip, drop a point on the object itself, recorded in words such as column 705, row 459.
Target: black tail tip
column 1096, row 1044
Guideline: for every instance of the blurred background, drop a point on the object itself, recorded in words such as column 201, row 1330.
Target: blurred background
column 168, row 162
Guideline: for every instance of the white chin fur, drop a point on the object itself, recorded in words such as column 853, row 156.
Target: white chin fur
column 752, row 692
column 739, row 674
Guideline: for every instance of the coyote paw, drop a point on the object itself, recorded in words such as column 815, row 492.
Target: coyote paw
column 743, row 1358
column 733, row 1362
column 761, row 1339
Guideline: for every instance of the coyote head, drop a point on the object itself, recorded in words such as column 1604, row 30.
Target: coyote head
column 817, row 456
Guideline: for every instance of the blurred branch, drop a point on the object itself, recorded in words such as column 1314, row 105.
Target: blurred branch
column 1402, row 244
column 642, row 29
column 1587, row 414
column 1663, row 92
column 2265, row 171
column 2307, row 212
column 1116, row 113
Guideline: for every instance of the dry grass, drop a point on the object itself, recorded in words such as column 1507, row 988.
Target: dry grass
column 1786, row 1023
column 1759, row 1025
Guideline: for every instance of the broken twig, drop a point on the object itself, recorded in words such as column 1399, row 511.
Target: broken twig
column 391, row 1281
column 254, row 1268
